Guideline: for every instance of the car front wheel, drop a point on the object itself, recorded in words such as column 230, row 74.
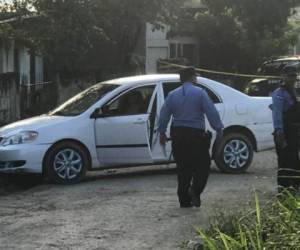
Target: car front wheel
column 234, row 154
column 66, row 163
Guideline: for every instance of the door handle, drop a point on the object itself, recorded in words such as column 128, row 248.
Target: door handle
column 139, row 121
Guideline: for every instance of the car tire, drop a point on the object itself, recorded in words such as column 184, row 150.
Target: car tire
column 66, row 163
column 234, row 154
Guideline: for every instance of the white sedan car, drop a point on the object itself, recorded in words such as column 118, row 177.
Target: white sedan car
column 114, row 123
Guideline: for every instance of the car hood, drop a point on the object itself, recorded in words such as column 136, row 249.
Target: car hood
column 34, row 123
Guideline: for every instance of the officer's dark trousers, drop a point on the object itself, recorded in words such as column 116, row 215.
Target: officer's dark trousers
column 191, row 153
column 288, row 161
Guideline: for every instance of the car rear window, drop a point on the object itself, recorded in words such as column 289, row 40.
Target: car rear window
column 170, row 86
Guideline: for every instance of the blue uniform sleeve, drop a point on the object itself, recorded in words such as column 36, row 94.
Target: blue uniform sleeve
column 165, row 115
column 277, row 110
column 212, row 113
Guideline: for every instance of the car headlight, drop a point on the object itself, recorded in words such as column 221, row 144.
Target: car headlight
column 19, row 138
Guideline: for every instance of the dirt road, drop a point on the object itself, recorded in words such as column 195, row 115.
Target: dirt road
column 125, row 209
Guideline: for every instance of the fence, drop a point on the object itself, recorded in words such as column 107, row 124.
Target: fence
column 20, row 101
column 9, row 98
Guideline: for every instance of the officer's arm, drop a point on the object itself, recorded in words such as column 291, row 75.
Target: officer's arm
column 212, row 114
column 165, row 115
column 277, row 111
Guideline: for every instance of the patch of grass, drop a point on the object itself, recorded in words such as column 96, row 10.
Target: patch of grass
column 276, row 225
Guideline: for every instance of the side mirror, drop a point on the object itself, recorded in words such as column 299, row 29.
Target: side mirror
column 100, row 113
column 95, row 114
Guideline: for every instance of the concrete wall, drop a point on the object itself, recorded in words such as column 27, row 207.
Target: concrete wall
column 157, row 47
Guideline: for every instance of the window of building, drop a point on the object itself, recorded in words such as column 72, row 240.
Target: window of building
column 185, row 50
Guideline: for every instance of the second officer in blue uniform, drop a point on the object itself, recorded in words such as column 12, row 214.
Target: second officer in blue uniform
column 188, row 105
column 286, row 121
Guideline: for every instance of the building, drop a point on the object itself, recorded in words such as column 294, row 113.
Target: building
column 20, row 71
column 159, row 45
column 171, row 43
column 18, row 59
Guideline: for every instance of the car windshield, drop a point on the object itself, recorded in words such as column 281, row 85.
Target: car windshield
column 81, row 102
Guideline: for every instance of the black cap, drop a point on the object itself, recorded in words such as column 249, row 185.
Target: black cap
column 187, row 73
column 290, row 71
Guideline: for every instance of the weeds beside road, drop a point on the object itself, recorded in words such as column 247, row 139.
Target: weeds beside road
column 276, row 225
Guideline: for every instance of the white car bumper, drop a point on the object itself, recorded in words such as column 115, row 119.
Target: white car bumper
column 27, row 158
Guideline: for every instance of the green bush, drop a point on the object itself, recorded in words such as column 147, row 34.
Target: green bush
column 275, row 226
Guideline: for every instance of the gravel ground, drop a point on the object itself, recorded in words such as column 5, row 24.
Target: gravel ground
column 130, row 209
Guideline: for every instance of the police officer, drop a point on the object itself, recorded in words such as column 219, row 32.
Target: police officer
column 190, row 143
column 286, row 120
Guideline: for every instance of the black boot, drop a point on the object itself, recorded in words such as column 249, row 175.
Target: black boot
column 195, row 199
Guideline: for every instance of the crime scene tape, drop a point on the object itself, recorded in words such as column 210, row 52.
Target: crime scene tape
column 37, row 83
column 220, row 72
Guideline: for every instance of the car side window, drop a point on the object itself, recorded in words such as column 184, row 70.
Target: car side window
column 210, row 93
column 133, row 102
column 170, row 86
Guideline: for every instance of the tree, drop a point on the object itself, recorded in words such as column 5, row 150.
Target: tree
column 70, row 34
column 237, row 35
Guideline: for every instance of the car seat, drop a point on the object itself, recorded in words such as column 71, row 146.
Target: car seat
column 132, row 103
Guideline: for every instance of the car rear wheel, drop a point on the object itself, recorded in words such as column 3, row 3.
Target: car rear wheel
column 235, row 153
column 66, row 163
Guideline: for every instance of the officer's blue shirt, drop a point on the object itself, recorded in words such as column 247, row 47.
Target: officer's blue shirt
column 188, row 104
column 282, row 101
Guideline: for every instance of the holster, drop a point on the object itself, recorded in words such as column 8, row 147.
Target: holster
column 296, row 130
column 207, row 138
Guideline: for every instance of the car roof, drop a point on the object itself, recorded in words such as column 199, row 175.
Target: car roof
column 132, row 80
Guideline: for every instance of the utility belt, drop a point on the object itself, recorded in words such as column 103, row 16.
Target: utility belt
column 291, row 134
column 292, row 128
column 193, row 133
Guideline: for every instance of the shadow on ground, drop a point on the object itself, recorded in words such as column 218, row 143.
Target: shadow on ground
column 12, row 183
